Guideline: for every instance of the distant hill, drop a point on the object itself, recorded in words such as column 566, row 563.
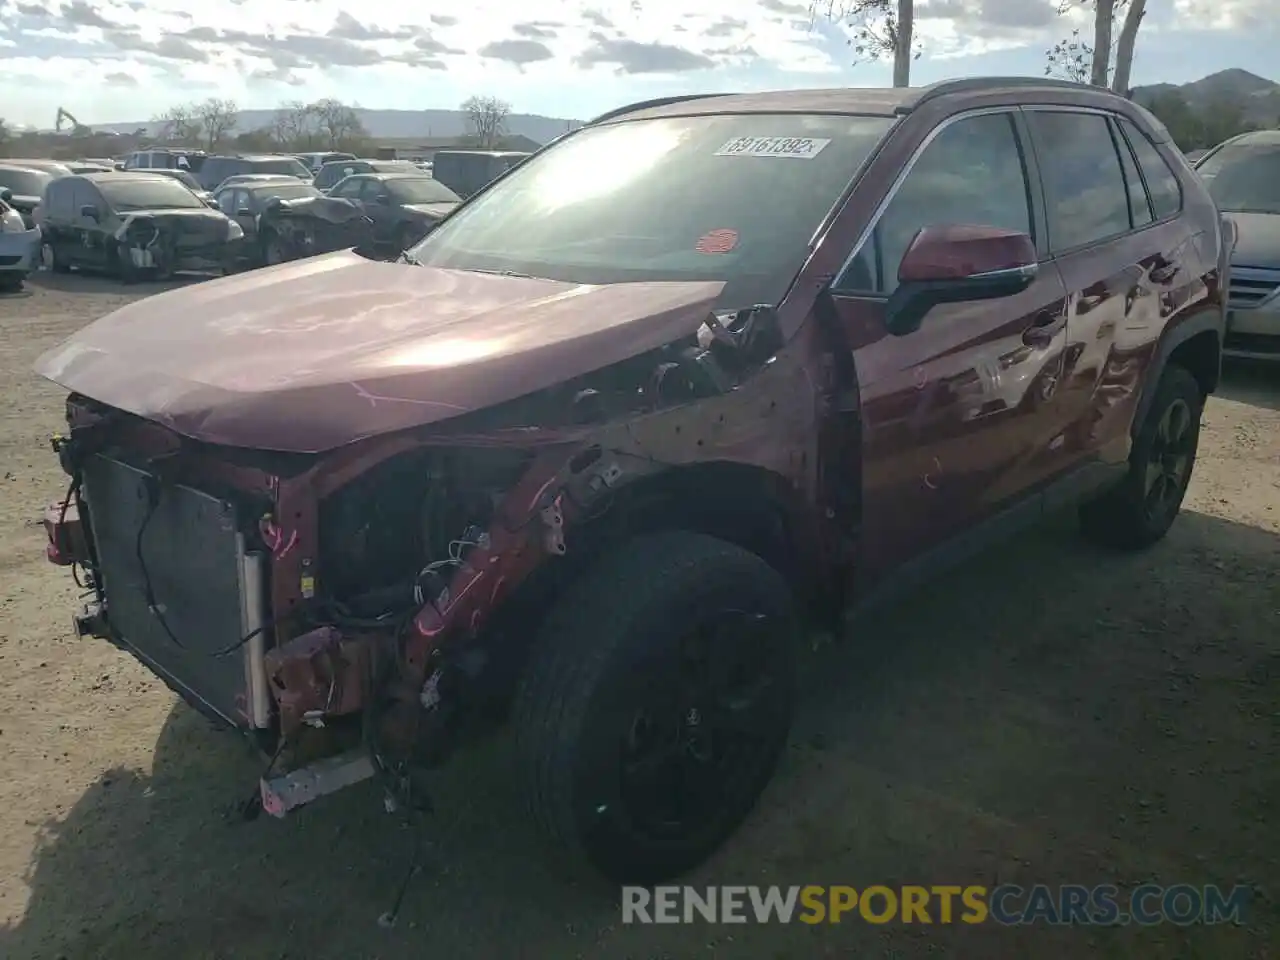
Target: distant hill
column 398, row 124
column 1257, row 97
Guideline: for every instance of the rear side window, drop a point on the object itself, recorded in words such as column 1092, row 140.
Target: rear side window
column 971, row 173
column 1139, row 202
column 57, row 199
column 1083, row 178
column 1162, row 182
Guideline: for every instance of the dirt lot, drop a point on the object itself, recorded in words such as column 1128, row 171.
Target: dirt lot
column 1050, row 714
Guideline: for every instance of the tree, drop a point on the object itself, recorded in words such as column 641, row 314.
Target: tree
column 486, row 120
column 218, row 118
column 882, row 28
column 338, row 123
column 294, row 125
column 180, row 125
column 1074, row 59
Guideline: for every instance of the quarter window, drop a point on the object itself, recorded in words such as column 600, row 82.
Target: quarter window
column 1082, row 177
column 1139, row 202
column 971, row 173
column 1162, row 182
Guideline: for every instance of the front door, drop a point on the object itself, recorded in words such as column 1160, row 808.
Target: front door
column 961, row 417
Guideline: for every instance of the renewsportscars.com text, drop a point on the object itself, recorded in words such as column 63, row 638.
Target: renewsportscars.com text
column 1007, row 905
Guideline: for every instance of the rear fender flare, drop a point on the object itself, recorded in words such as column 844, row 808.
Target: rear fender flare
column 1205, row 321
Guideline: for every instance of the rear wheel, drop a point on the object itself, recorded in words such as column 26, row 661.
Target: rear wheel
column 53, row 259
column 1139, row 511
column 656, row 704
column 11, row 281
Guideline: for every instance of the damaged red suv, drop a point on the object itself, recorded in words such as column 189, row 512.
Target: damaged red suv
column 692, row 379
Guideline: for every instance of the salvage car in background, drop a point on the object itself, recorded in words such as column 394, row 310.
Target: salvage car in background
column 308, row 226
column 1243, row 177
column 214, row 170
column 26, row 187
column 466, row 171
column 133, row 225
column 185, row 178
column 314, row 161
column 587, row 458
column 404, row 207
column 335, row 172
column 19, row 246
column 245, row 202
column 55, row 168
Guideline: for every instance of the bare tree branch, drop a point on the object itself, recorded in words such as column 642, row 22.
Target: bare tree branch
column 338, row 122
column 179, row 124
column 217, row 118
column 882, row 29
column 486, row 120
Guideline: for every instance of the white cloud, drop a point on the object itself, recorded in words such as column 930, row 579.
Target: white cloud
column 395, row 54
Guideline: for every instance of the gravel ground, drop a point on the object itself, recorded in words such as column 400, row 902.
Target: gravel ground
column 1050, row 714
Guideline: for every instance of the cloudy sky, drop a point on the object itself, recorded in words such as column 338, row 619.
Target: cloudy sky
column 122, row 60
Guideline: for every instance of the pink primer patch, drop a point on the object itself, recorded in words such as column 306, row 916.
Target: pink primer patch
column 717, row 241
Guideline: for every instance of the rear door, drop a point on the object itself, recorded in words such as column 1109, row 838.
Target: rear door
column 959, row 418
column 1121, row 255
column 92, row 234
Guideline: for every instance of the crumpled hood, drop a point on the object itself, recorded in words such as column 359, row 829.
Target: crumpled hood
column 317, row 353
column 1257, row 240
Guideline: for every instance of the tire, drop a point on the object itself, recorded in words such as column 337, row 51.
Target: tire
column 56, row 263
column 272, row 250
column 11, row 281
column 1139, row 511
column 612, row 670
column 125, row 271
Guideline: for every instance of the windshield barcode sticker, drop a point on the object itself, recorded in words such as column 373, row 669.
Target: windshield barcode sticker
column 799, row 148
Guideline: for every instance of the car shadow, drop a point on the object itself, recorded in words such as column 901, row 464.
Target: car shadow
column 1253, row 382
column 1048, row 714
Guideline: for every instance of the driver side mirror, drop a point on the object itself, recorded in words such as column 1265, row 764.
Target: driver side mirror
column 958, row 263
column 6, row 195
column 89, row 211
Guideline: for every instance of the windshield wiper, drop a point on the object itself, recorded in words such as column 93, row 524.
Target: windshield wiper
column 407, row 257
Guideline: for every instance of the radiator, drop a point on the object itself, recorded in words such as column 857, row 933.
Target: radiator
column 208, row 592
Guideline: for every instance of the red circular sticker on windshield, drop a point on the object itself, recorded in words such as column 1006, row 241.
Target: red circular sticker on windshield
column 717, row 241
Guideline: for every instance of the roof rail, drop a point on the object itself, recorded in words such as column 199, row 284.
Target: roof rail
column 647, row 104
column 977, row 84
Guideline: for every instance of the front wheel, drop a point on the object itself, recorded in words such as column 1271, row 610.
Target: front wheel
column 125, row 269
column 656, row 704
column 1139, row 511
column 273, row 250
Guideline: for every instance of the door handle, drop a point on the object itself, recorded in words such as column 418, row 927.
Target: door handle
column 1044, row 328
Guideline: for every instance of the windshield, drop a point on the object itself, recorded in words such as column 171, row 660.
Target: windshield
column 288, row 166
column 24, row 183
column 184, row 178
column 1244, row 177
column 424, row 190
column 157, row 194
column 285, row 191
column 731, row 198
